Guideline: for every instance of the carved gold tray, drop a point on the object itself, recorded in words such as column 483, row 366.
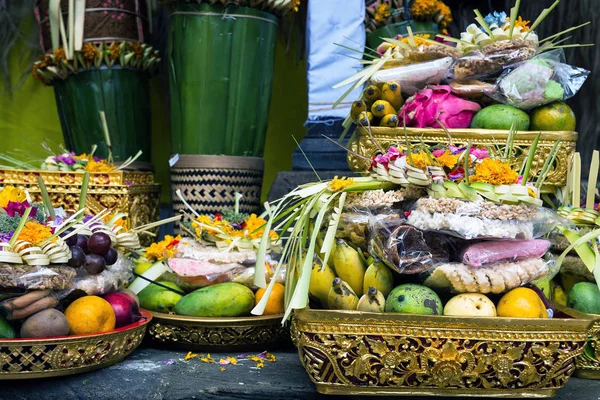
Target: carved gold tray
column 132, row 192
column 358, row 353
column 218, row 334
column 69, row 355
column 588, row 363
column 386, row 137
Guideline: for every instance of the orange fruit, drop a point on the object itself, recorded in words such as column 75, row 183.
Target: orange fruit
column 521, row 303
column 90, row 314
column 553, row 117
column 276, row 302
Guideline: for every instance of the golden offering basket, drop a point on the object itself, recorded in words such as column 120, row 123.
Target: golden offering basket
column 386, row 137
column 131, row 192
column 69, row 355
column 218, row 334
column 379, row 354
column 588, row 363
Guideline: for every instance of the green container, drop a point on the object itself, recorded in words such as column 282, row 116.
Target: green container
column 220, row 72
column 124, row 96
column 374, row 38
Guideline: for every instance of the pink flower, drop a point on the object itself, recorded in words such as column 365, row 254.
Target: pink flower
column 438, row 152
column 437, row 102
column 393, row 153
column 480, row 154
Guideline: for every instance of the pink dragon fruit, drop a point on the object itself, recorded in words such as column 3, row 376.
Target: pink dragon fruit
column 437, row 102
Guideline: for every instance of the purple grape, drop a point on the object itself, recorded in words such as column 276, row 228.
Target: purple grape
column 72, row 240
column 77, row 257
column 94, row 264
column 111, row 257
column 99, row 243
column 82, row 243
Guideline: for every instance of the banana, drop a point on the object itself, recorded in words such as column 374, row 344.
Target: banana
column 372, row 301
column 381, row 108
column 390, row 120
column 321, row 279
column 391, row 92
column 365, row 118
column 349, row 266
column 357, row 107
column 372, row 93
column 341, row 296
column 559, row 296
column 380, row 277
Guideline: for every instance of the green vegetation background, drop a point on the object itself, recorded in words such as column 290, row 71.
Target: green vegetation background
column 30, row 116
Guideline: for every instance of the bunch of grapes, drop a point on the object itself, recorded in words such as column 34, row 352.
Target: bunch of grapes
column 93, row 253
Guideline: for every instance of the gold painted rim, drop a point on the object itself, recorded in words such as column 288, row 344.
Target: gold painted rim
column 216, row 321
column 471, row 133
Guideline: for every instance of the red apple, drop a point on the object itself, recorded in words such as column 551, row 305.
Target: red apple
column 132, row 294
column 125, row 307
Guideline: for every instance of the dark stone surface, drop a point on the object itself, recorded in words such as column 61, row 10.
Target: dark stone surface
column 147, row 375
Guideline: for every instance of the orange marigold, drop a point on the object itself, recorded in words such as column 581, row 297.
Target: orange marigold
column 99, row 166
column 136, row 49
column 494, row 172
column 418, row 160
column 59, row 55
column 447, row 159
column 114, row 50
column 90, row 52
column 34, row 233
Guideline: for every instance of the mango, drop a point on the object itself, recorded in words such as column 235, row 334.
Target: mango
column 159, row 299
column 6, row 329
column 584, row 297
column 500, row 116
column 410, row 298
column 221, row 300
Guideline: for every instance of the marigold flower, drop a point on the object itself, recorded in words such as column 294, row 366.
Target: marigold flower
column 424, row 8
column 90, row 52
column 163, row 249
column 494, row 172
column 99, row 166
column 447, row 159
column 34, row 233
column 382, row 12
column 338, row 184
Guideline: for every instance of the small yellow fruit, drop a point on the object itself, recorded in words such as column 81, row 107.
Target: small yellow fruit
column 372, row 93
column 275, row 303
column 381, row 108
column 365, row 118
column 357, row 107
column 391, row 92
column 521, row 303
column 90, row 314
column 390, row 120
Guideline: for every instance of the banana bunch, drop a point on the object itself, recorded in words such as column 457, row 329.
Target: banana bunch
column 379, row 105
column 28, row 304
column 350, row 285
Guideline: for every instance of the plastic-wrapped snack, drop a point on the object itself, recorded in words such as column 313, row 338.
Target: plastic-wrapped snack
column 354, row 225
column 541, row 80
column 33, row 277
column 491, row 278
column 408, row 250
column 489, row 252
column 471, row 89
column 490, row 59
column 481, row 219
column 415, row 77
column 113, row 278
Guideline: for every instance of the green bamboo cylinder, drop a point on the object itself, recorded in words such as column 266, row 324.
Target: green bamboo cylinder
column 220, row 73
column 124, row 96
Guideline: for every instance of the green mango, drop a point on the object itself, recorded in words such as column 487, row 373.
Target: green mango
column 221, row 300
column 156, row 298
column 410, row 298
column 6, row 329
column 500, row 116
column 584, row 297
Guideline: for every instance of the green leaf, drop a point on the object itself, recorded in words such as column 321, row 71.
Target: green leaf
column 329, row 241
column 530, row 157
column 22, row 222
column 260, row 270
column 84, row 188
column 46, row 199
